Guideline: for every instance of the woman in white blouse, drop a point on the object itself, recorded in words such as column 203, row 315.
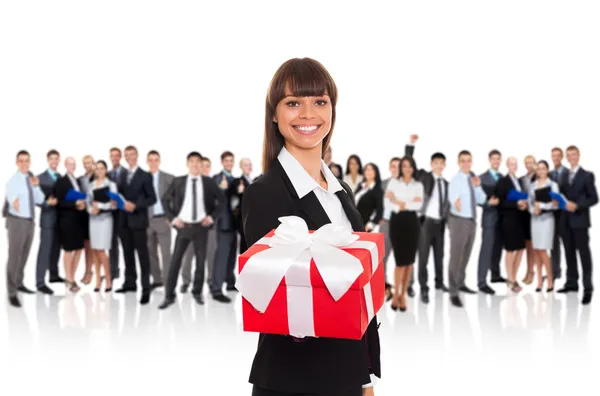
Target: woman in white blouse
column 354, row 172
column 542, row 222
column 406, row 194
column 101, row 223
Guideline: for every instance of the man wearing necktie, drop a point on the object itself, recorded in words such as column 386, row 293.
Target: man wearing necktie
column 464, row 193
column 556, row 176
column 22, row 194
column 115, row 176
column 137, row 190
column 191, row 203
column 491, row 228
column 49, row 247
column 225, row 257
column 579, row 188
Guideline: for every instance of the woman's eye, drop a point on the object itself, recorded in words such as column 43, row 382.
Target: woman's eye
column 292, row 103
column 321, row 102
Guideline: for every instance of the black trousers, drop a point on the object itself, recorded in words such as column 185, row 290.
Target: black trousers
column 578, row 240
column 114, row 247
column 556, row 250
column 198, row 236
column 224, row 264
column 432, row 236
column 257, row 391
column 136, row 240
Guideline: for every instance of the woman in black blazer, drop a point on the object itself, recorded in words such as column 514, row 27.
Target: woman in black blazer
column 300, row 115
column 369, row 197
column 514, row 218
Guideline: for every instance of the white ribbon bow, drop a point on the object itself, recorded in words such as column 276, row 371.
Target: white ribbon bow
column 292, row 248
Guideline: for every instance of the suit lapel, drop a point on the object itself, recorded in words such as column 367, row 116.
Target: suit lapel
column 351, row 211
column 576, row 178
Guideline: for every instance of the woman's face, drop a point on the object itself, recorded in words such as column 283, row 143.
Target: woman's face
column 100, row 171
column 304, row 121
column 407, row 170
column 369, row 173
column 512, row 165
column 353, row 165
column 334, row 169
column 542, row 170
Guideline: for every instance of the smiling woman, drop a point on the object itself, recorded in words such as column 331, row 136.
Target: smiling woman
column 299, row 120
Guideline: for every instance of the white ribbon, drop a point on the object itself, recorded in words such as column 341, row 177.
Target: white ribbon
column 292, row 248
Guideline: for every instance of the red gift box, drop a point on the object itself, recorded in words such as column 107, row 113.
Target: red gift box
column 328, row 283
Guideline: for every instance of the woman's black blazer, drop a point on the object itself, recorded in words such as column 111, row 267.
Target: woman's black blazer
column 315, row 365
column 371, row 202
column 511, row 215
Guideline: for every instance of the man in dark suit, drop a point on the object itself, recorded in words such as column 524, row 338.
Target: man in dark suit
column 135, row 185
column 490, row 253
column 191, row 203
column 49, row 248
column 579, row 188
column 115, row 175
column 241, row 184
column 556, row 175
column 434, row 213
column 226, row 253
column 335, row 168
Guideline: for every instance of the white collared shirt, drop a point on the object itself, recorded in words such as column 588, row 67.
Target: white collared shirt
column 74, row 182
column 185, row 214
column 433, row 204
column 407, row 192
column 304, row 184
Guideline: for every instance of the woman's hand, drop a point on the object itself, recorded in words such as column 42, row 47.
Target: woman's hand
column 390, row 195
column 368, row 391
column 401, row 204
column 417, row 199
column 113, row 204
column 94, row 210
column 537, row 209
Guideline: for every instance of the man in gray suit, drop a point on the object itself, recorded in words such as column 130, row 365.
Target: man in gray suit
column 49, row 248
column 159, row 229
column 556, row 174
column 491, row 236
column 384, row 224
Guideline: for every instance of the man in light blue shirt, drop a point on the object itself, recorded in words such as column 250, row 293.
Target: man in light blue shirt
column 464, row 193
column 23, row 192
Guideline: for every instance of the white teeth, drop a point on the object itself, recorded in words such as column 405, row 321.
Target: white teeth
column 307, row 128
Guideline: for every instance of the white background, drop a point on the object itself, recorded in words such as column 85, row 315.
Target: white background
column 82, row 76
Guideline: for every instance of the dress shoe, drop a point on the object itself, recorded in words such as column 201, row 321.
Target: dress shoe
column 14, row 301
column 145, row 297
column 184, row 288
column 167, row 303
column 455, row 300
column 221, row 298
column 587, row 298
column 23, row 289
column 425, row 298
column 199, row 299
column 410, row 292
column 125, row 289
column 57, row 279
column 442, row 288
column 45, row 289
column 498, row 280
column 156, row 285
column 465, row 289
column 232, row 288
column 487, row 290
column 568, row 290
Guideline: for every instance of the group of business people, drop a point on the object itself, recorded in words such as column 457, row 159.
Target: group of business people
column 88, row 216
column 522, row 215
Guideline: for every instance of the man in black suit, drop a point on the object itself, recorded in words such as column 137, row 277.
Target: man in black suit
column 49, row 248
column 490, row 253
column 191, row 203
column 327, row 159
column 226, row 253
column 434, row 213
column 136, row 186
column 556, row 175
column 115, row 175
column 241, row 184
column 578, row 187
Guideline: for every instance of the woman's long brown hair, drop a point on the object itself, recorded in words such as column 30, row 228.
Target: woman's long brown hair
column 304, row 77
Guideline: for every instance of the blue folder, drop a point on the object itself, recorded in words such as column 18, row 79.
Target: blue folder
column 515, row 195
column 118, row 198
column 562, row 202
column 74, row 196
